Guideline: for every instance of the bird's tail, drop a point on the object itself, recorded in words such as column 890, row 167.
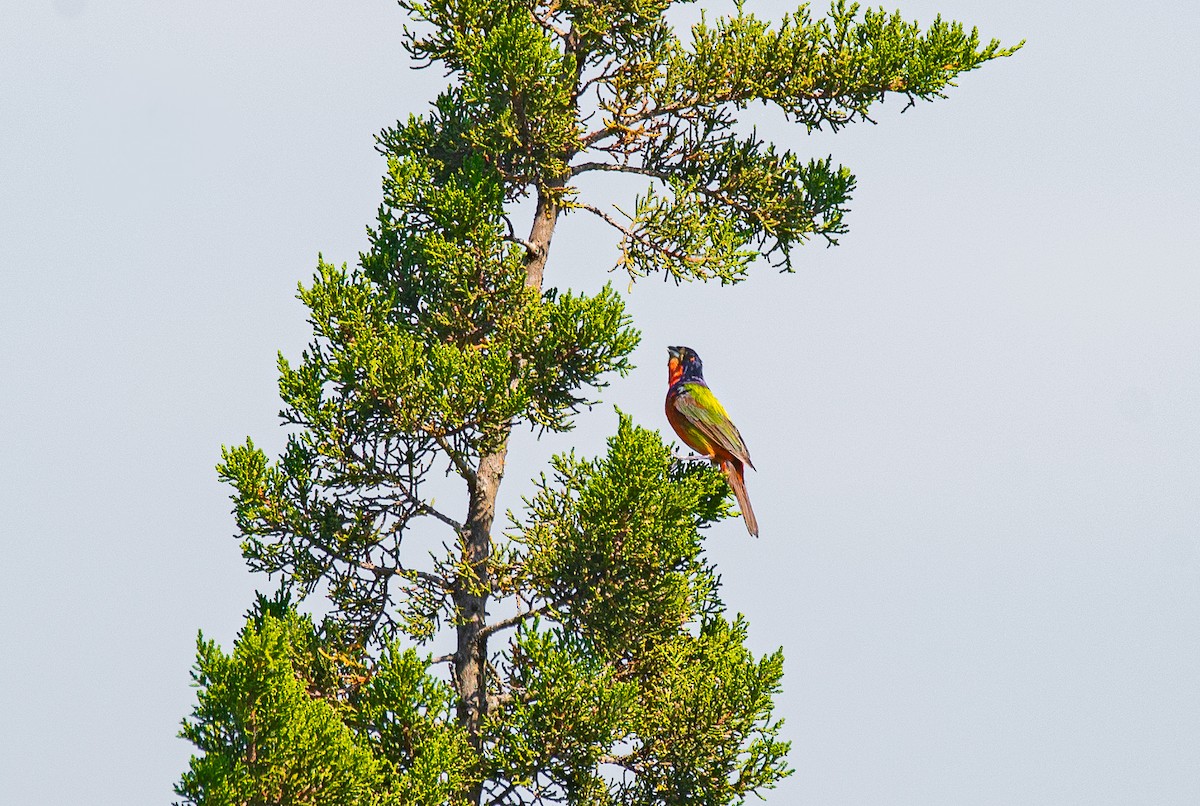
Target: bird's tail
column 736, row 476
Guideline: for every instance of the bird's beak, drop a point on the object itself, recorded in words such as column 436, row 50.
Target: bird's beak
column 673, row 352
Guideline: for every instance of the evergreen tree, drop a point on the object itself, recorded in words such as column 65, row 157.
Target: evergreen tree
column 615, row 675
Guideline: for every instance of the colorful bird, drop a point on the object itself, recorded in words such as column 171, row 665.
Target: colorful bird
column 700, row 420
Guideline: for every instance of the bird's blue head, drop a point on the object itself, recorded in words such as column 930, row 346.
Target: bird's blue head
column 684, row 364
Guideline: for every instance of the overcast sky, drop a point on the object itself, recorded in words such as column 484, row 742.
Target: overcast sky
column 975, row 422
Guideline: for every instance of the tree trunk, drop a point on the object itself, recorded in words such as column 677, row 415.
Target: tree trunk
column 471, row 593
column 471, row 597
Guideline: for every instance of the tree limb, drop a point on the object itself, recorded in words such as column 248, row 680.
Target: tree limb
column 425, row 509
column 617, row 167
column 513, row 621
column 460, row 465
column 633, row 235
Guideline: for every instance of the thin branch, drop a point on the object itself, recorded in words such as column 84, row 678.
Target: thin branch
column 608, row 219
column 621, row 123
column 618, row 167
column 379, row 570
column 602, row 76
column 513, row 621
column 420, row 507
column 461, row 466
column 511, row 236
column 530, row 247
column 425, row 509
column 633, row 235
column 711, row 193
column 625, row 761
column 385, row 570
column 544, row 20
column 503, row 796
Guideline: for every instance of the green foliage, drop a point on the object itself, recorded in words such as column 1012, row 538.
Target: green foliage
column 270, row 722
column 720, row 200
column 820, row 72
column 571, row 710
column 518, row 89
column 629, row 688
column 706, row 732
column 592, row 660
column 613, row 544
column 407, row 715
column 535, row 75
column 640, row 691
column 405, row 367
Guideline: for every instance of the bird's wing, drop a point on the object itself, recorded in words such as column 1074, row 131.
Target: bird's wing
column 701, row 407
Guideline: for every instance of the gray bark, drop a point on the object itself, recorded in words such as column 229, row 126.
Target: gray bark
column 471, row 592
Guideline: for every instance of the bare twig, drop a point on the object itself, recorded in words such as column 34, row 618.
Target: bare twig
column 425, row 509
column 625, row 761
column 530, row 248
column 513, row 621
column 461, row 466
column 633, row 235
column 384, row 570
column 618, row 167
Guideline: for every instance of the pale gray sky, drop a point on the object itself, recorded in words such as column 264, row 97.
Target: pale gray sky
column 975, row 422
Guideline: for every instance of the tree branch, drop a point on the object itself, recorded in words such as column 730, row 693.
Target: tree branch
column 625, row 761
column 460, row 465
column 621, row 123
column 545, row 20
column 385, row 570
column 633, row 235
column 513, row 621
column 617, row 167
column 530, row 248
column 425, row 509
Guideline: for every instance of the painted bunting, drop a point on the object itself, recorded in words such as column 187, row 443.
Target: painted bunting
column 700, row 420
